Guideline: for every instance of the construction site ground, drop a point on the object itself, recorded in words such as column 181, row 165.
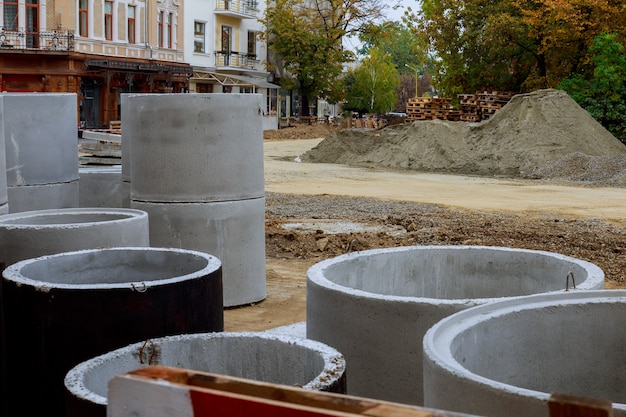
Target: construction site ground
column 315, row 211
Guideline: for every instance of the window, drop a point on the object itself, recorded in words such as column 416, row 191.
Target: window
column 83, row 18
column 198, row 37
column 160, row 18
column 32, row 23
column 226, row 30
column 252, row 44
column 272, row 100
column 204, row 88
column 10, row 15
column 170, row 18
column 131, row 24
column 108, row 20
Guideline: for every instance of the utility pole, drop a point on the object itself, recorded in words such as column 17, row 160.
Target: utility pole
column 416, row 75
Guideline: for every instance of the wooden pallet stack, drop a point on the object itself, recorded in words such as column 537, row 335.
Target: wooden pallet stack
column 470, row 108
column 473, row 107
column 489, row 103
column 481, row 106
column 429, row 108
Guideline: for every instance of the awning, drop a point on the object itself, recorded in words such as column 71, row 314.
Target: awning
column 233, row 80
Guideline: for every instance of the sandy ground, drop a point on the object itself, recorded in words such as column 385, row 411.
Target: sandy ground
column 286, row 278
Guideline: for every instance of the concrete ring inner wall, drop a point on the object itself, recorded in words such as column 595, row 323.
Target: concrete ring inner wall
column 375, row 306
column 507, row 357
column 31, row 234
column 124, row 267
column 277, row 359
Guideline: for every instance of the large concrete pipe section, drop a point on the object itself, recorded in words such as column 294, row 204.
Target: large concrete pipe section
column 196, row 164
column 30, row 234
column 375, row 306
column 276, row 359
column 102, row 187
column 60, row 310
column 41, row 150
column 508, row 357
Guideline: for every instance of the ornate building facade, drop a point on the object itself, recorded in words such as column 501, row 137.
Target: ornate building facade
column 100, row 49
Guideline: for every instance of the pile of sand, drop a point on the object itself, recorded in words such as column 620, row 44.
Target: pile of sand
column 532, row 131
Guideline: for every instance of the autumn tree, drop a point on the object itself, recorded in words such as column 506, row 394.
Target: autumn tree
column 305, row 39
column 372, row 86
column 516, row 45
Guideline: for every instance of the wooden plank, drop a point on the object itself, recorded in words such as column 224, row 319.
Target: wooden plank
column 563, row 405
column 199, row 394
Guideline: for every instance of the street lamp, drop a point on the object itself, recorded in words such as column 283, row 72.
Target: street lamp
column 416, row 75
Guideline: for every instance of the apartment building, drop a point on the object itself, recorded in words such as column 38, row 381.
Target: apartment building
column 100, row 49
column 222, row 45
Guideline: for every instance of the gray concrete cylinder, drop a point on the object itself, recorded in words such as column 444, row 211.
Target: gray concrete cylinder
column 234, row 231
column 375, row 306
column 196, row 166
column 276, row 359
column 63, row 309
column 508, row 357
column 102, row 187
column 194, row 147
column 31, row 234
column 41, row 150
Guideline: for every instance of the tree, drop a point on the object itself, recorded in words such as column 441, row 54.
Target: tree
column 515, row 45
column 603, row 94
column 373, row 84
column 408, row 55
column 397, row 41
column 305, row 38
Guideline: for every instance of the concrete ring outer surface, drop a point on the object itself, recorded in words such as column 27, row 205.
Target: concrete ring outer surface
column 376, row 305
column 43, row 196
column 222, row 159
column 507, row 357
column 62, row 309
column 276, row 359
column 40, row 138
column 31, row 234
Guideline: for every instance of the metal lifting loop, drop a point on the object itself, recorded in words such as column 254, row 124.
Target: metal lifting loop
column 142, row 289
column 152, row 352
column 569, row 274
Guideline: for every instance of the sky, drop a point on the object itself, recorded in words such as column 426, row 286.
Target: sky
column 390, row 14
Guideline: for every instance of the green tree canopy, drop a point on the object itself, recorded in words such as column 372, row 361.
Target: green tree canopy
column 305, row 39
column 603, row 94
column 372, row 86
column 398, row 41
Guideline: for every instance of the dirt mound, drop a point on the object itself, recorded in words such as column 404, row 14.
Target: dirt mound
column 528, row 133
column 301, row 131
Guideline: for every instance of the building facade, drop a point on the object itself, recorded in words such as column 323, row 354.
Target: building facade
column 100, row 49
column 227, row 55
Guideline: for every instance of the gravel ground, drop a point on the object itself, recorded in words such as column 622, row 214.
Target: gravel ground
column 406, row 223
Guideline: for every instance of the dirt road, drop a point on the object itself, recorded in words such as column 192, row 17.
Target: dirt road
column 286, row 275
column 283, row 175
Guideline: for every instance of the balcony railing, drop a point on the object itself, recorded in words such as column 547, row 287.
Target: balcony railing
column 235, row 59
column 47, row 41
column 238, row 7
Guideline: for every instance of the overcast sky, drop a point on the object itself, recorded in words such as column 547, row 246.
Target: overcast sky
column 390, row 14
